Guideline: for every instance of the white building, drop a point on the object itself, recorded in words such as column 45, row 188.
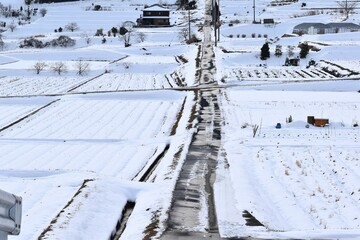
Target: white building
column 321, row 28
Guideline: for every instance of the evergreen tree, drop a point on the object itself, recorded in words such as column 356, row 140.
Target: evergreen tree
column 114, row 31
column 265, row 51
column 304, row 49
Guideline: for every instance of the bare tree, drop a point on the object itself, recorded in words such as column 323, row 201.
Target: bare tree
column 126, row 31
column 141, row 37
column 347, row 7
column 12, row 26
column 82, row 67
column 183, row 34
column 43, row 12
column 2, row 9
column 126, row 65
column 6, row 11
column 86, row 38
column 255, row 128
column 99, row 32
column 290, row 51
column 39, row 66
column 73, row 26
column 278, row 50
column 59, row 67
column 2, row 43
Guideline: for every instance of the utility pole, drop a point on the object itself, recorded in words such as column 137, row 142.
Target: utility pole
column 218, row 19
column 346, row 9
column 214, row 19
column 215, row 16
column 254, row 21
column 189, row 25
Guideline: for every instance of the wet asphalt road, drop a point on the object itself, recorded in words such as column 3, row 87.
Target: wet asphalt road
column 193, row 208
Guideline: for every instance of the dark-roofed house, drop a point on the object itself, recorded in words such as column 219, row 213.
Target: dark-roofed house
column 154, row 16
column 320, row 28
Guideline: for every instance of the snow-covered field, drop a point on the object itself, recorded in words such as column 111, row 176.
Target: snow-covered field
column 22, row 86
column 71, row 157
column 107, row 138
column 297, row 181
column 75, row 147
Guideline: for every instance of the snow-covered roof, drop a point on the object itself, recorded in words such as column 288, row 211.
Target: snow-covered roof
column 343, row 25
column 329, row 25
column 308, row 25
column 156, row 7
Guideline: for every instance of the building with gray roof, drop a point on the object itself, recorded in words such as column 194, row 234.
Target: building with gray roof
column 321, row 28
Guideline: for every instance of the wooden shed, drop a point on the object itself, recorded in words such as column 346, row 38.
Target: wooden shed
column 318, row 122
column 321, row 122
column 268, row 21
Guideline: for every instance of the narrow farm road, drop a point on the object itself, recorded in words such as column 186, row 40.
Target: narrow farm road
column 193, row 214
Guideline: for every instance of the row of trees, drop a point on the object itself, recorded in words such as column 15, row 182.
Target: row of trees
column 82, row 67
column 265, row 50
column 72, row 27
column 24, row 13
column 61, row 41
column 65, row 41
column 125, row 33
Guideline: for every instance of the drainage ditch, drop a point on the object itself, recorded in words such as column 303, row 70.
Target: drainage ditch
column 129, row 206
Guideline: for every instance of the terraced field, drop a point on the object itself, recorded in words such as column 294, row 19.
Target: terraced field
column 82, row 148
